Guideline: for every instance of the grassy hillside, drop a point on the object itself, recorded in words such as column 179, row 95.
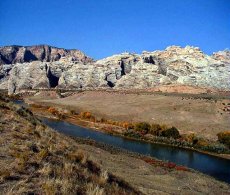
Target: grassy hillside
column 36, row 159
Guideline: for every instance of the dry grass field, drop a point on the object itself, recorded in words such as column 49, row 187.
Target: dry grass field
column 36, row 160
column 202, row 115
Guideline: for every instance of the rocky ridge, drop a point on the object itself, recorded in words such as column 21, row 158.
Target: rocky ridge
column 174, row 65
column 46, row 53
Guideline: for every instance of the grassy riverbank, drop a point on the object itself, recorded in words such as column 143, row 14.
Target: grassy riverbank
column 139, row 131
column 36, row 159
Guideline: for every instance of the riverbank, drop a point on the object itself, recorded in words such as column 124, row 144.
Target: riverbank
column 216, row 167
column 118, row 130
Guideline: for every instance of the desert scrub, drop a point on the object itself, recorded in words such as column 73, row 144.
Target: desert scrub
column 36, row 106
column 127, row 125
column 103, row 120
column 73, row 112
column 132, row 134
column 191, row 138
column 77, row 156
column 4, row 174
column 52, row 111
column 57, row 113
column 3, row 105
column 164, row 131
column 93, row 189
column 26, row 114
column 22, row 158
column 43, row 154
column 170, row 132
column 103, row 178
column 214, row 147
column 155, row 129
column 142, row 127
column 224, row 137
column 85, row 115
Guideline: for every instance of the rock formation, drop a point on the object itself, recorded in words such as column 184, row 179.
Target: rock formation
column 71, row 69
column 44, row 53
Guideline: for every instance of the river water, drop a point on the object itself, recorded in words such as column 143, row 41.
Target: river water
column 211, row 165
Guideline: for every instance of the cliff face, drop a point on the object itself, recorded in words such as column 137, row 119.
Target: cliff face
column 174, row 65
column 20, row 55
column 71, row 69
column 44, row 53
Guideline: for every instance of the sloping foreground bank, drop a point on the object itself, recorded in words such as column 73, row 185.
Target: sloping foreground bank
column 36, row 159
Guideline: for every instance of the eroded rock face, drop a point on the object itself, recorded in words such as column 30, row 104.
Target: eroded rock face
column 44, row 53
column 223, row 56
column 82, row 76
column 174, row 65
column 28, row 76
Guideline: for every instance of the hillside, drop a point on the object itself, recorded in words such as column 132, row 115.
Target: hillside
column 36, row 160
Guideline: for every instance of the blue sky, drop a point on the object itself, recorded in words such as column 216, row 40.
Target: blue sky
column 104, row 27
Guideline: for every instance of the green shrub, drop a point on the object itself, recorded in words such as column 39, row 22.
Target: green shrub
column 103, row 120
column 142, row 126
column 224, row 137
column 132, row 134
column 155, row 129
column 73, row 112
column 171, row 132
column 191, row 138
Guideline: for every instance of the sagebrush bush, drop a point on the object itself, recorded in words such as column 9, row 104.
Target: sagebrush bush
column 142, row 126
column 224, row 137
column 170, row 132
column 73, row 112
column 86, row 115
column 191, row 138
column 52, row 110
column 155, row 129
column 127, row 125
column 103, row 120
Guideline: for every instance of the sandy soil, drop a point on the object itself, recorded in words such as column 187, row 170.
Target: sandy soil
column 189, row 113
column 153, row 180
